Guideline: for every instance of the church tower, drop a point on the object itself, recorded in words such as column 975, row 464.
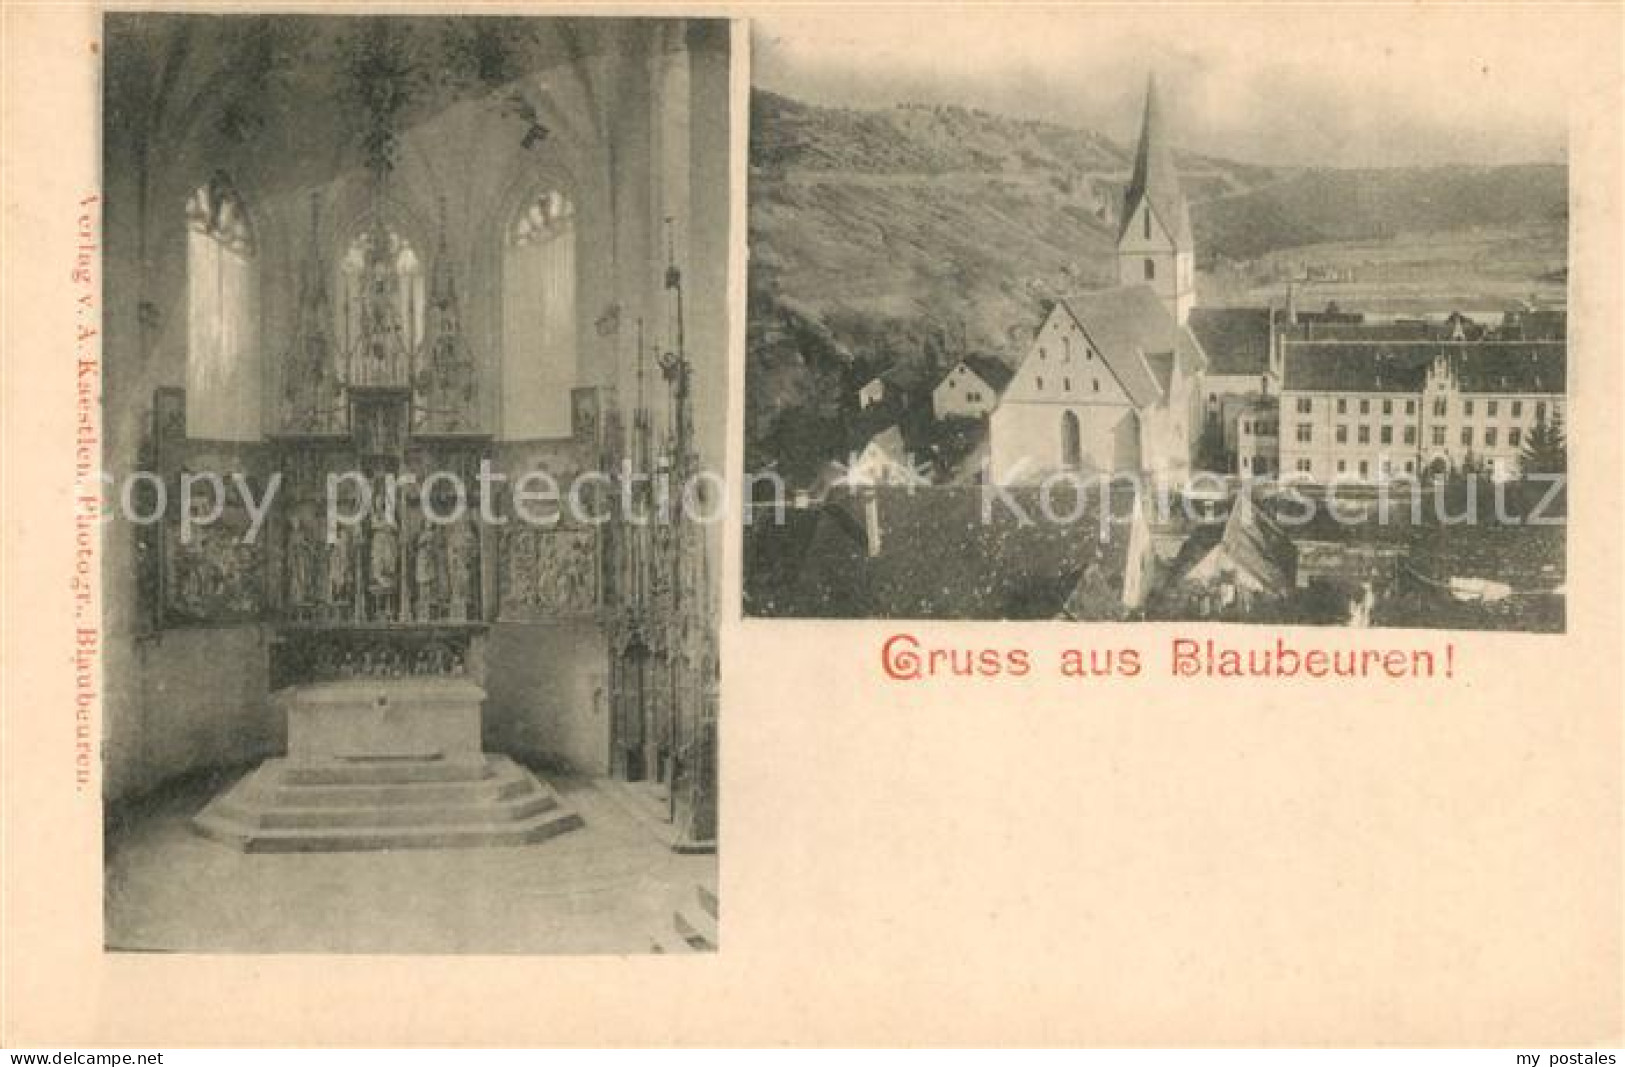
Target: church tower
column 1154, row 246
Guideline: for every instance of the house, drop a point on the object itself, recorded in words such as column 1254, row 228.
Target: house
column 1238, row 567
column 1243, row 373
column 898, row 386
column 1255, row 422
column 1529, row 322
column 971, row 388
column 1240, row 345
column 1110, row 385
column 1331, row 316
column 1373, row 411
column 882, row 460
column 1482, row 401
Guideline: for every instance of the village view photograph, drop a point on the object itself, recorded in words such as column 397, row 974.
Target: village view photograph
column 1142, row 328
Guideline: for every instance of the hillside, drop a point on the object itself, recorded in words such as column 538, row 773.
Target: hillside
column 952, row 215
column 875, row 233
column 1323, row 206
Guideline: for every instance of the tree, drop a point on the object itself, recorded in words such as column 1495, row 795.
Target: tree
column 1546, row 450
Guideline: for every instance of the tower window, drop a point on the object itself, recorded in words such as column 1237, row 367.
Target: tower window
column 1150, row 270
column 1147, row 218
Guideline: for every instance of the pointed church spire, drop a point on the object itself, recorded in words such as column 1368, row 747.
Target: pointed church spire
column 1155, row 181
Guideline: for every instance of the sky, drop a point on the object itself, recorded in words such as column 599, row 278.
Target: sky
column 1288, row 84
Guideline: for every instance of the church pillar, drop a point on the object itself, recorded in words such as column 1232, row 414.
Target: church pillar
column 708, row 246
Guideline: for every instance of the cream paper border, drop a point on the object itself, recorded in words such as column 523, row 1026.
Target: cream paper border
column 1149, row 861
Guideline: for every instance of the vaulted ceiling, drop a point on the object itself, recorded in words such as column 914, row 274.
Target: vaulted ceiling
column 333, row 94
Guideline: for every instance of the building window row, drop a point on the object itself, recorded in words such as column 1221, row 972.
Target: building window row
column 1440, row 407
column 1066, row 384
column 1491, row 408
column 1364, row 466
column 1491, row 438
column 1388, row 405
column 1385, row 434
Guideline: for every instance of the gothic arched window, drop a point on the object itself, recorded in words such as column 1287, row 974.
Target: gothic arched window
column 539, row 318
column 1071, row 441
column 222, row 316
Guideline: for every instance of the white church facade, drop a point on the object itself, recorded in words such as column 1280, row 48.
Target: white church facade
column 1112, row 381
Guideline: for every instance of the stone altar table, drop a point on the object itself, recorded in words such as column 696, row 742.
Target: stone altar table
column 384, row 763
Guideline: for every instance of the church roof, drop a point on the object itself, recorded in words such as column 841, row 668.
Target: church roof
column 1140, row 341
column 1479, row 367
column 1533, row 367
column 1154, row 177
column 1398, row 332
column 1236, row 340
column 1354, row 367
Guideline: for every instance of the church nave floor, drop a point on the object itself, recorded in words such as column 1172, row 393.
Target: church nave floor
column 608, row 887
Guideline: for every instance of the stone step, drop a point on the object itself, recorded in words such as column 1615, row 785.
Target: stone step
column 268, row 786
column 244, row 811
column 707, row 900
column 670, row 945
column 692, row 935
column 247, row 839
column 501, row 804
column 386, row 772
column 693, row 925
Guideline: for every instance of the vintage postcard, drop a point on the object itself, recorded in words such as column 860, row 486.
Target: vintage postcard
column 791, row 524
column 1104, row 347
column 412, row 340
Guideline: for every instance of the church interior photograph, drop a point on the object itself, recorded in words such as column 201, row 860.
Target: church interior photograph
column 407, row 322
